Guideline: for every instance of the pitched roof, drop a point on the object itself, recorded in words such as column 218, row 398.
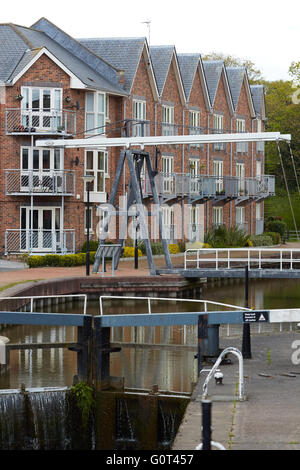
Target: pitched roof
column 236, row 77
column 213, row 70
column 161, row 57
column 258, row 96
column 12, row 50
column 122, row 53
column 188, row 65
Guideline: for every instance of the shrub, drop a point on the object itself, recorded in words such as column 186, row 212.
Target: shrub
column 275, row 237
column 93, row 246
column 174, row 249
column 222, row 237
column 129, row 252
column 276, row 226
column 35, row 261
column 262, row 240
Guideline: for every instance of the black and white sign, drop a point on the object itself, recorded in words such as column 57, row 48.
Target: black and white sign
column 256, row 317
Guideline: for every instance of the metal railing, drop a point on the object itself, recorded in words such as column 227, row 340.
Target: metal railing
column 226, row 258
column 49, row 121
column 205, row 303
column 136, row 128
column 51, row 182
column 32, row 298
column 237, row 353
column 195, row 232
column 39, row 241
column 170, row 129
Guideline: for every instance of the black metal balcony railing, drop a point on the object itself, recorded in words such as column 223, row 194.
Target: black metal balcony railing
column 45, row 121
column 47, row 183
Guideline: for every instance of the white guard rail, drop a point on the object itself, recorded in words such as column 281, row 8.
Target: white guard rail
column 227, row 258
column 148, row 299
column 39, row 297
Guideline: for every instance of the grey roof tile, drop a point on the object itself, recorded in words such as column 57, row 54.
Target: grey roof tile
column 12, row 49
column 36, row 39
column 235, row 78
column 188, row 64
column 122, row 53
column 161, row 57
column 258, row 96
column 213, row 70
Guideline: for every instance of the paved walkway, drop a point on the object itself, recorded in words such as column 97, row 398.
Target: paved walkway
column 270, row 418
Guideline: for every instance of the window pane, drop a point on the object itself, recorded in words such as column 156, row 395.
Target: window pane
column 89, row 160
column 90, row 102
column 90, row 122
column 46, row 100
column 25, row 100
column 100, row 182
column 46, row 159
column 56, row 159
column 57, row 100
column 101, row 161
column 101, row 103
column 36, row 160
column 35, row 99
column 57, row 219
column 25, row 159
column 100, row 123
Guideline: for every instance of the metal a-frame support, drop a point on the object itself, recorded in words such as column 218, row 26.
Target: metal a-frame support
column 135, row 160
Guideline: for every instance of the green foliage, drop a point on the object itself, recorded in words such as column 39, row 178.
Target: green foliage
column 78, row 259
column 84, row 398
column 129, row 252
column 280, row 206
column 254, row 74
column 93, row 246
column 276, row 226
column 261, row 240
column 276, row 237
column 222, row 237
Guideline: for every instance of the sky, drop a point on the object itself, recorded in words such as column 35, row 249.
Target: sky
column 266, row 32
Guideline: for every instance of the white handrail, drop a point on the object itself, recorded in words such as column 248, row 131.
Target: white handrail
column 247, row 258
column 205, row 302
column 35, row 297
column 239, row 355
column 217, row 445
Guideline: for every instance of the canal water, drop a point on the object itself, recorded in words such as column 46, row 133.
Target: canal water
column 142, row 361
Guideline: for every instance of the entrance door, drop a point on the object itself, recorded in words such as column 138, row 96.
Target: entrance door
column 40, row 229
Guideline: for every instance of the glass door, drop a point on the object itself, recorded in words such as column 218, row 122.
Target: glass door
column 40, row 229
column 168, row 176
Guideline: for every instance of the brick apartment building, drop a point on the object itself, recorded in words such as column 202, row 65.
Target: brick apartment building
column 57, row 86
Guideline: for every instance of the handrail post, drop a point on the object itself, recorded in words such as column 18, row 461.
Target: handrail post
column 246, row 345
column 206, row 424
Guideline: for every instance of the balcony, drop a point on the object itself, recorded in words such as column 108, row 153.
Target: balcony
column 196, row 131
column 242, row 148
column 40, row 183
column 257, row 189
column 136, row 128
column 39, row 241
column 170, row 129
column 227, row 188
column 260, row 147
column 38, row 121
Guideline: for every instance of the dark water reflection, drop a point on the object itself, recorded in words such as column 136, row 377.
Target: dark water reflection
column 172, row 369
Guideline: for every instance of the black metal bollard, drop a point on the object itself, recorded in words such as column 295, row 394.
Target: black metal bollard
column 246, row 346
column 206, row 425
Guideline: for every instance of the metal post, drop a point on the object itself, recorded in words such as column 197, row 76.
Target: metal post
column 246, row 346
column 206, row 424
column 88, row 231
column 202, row 336
column 136, row 251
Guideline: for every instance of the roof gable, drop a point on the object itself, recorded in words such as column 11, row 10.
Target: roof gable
column 215, row 71
column 189, row 64
column 162, row 58
column 237, row 77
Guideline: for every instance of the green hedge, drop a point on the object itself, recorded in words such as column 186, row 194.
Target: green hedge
column 275, row 237
column 59, row 260
column 262, row 240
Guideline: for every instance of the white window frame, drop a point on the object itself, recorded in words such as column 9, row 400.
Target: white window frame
column 96, row 196
column 95, row 127
column 139, row 109
column 194, row 119
column 40, row 150
column 33, row 116
column 218, row 216
column 218, row 123
column 218, row 171
column 167, row 120
column 240, row 125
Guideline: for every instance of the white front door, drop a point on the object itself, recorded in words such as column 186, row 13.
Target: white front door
column 40, row 229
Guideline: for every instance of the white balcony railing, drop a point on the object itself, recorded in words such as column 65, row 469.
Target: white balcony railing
column 51, row 182
column 39, row 241
column 49, row 121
